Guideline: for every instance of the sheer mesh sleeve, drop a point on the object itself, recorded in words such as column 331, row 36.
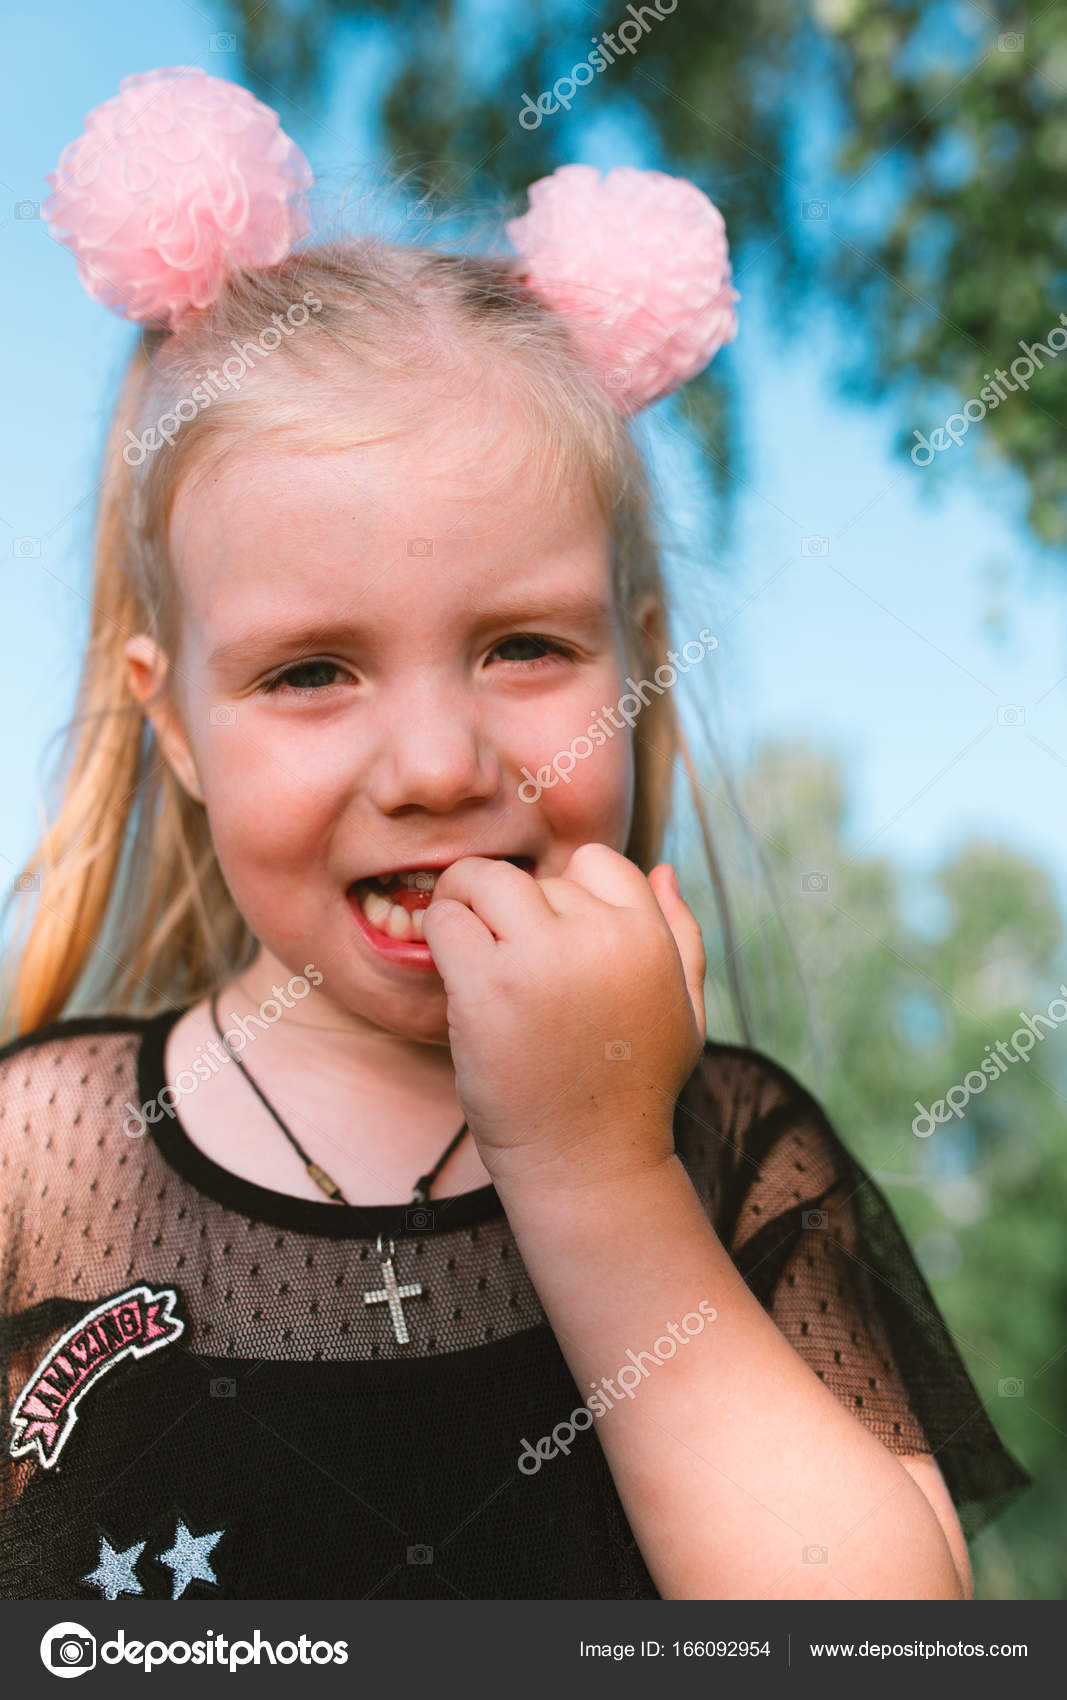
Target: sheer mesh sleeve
column 820, row 1248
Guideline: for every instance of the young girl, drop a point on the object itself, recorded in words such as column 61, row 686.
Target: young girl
column 396, row 1159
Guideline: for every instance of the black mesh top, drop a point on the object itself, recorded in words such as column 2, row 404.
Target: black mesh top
column 199, row 1402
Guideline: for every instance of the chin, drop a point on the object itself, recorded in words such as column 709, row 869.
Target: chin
column 418, row 1013
column 428, row 1026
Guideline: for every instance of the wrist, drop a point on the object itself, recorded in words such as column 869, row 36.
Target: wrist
column 574, row 1177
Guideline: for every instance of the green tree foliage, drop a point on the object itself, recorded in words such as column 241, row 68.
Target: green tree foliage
column 911, row 986
column 901, row 158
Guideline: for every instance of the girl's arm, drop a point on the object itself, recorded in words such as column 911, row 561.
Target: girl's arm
column 576, row 1016
column 923, row 1468
column 738, row 1469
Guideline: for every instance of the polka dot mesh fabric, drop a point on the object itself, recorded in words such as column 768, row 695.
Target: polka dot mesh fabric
column 819, row 1246
column 272, row 1289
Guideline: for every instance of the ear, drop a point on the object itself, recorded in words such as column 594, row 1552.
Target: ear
column 146, row 672
column 648, row 621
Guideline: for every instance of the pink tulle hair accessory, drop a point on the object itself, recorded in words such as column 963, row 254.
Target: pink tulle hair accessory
column 639, row 265
column 179, row 179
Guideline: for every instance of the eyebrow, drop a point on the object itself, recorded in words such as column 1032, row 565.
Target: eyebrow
column 259, row 640
column 589, row 611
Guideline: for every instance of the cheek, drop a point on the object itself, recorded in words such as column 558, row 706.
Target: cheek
column 590, row 774
column 268, row 807
column 595, row 800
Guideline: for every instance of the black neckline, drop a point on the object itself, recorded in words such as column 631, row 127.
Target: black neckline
column 284, row 1209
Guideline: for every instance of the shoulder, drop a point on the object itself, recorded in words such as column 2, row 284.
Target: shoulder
column 77, row 1035
column 74, row 1027
column 55, row 1075
column 756, row 1141
column 63, row 1090
column 750, row 1098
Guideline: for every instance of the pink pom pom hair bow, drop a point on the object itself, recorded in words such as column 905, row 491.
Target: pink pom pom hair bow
column 181, row 178
column 639, row 265
column 177, row 180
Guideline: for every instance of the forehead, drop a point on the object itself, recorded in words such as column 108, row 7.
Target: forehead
column 449, row 510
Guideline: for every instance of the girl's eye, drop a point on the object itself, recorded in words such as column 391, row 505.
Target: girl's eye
column 547, row 647
column 282, row 681
column 294, row 680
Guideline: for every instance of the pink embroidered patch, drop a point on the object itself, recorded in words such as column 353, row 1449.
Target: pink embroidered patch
column 137, row 1321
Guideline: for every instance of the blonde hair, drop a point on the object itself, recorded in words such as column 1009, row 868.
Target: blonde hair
column 132, row 910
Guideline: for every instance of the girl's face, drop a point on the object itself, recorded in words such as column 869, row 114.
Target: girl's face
column 376, row 644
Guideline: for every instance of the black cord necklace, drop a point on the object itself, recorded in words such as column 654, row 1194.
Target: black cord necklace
column 318, row 1174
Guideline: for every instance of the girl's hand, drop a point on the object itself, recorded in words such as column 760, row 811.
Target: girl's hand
column 575, row 1012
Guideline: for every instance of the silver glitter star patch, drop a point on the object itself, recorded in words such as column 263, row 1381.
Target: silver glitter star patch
column 114, row 1574
column 188, row 1558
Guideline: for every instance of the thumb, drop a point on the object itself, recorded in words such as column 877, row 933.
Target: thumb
column 687, row 936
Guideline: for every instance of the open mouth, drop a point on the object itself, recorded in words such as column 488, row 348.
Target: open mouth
column 394, row 903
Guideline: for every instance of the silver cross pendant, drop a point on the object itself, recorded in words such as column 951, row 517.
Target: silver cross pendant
column 391, row 1294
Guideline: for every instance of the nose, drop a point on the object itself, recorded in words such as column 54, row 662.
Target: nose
column 433, row 752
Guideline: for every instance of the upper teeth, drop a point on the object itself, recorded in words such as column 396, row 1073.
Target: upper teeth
column 391, row 917
column 422, row 879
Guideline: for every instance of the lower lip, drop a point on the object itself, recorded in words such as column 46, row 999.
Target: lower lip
column 406, row 953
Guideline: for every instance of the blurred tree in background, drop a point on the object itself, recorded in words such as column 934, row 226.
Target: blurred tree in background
column 903, row 162
column 901, row 1012
column 900, row 158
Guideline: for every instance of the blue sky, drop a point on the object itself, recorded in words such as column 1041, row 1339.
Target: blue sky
column 921, row 640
